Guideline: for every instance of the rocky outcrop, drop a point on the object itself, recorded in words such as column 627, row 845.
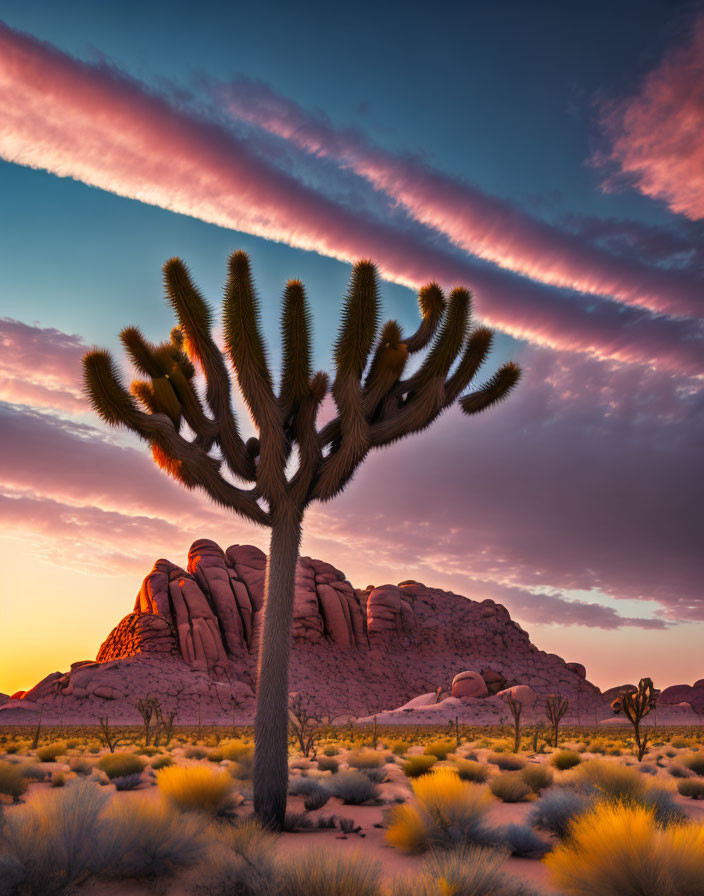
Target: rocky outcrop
column 191, row 640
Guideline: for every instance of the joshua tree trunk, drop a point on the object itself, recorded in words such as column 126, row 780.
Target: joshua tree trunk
column 271, row 723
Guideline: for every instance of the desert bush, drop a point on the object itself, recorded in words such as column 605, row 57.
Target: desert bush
column 118, row 765
column 522, row 841
column 537, row 776
column 243, row 864
column 610, row 779
column 243, row 768
column 12, row 782
column 377, row 775
column 50, row 752
column 556, row 809
column 441, row 749
column 331, row 751
column 466, row 871
column 679, row 771
column 195, row 753
column 320, row 873
column 328, row 764
column 468, row 770
column 161, row 761
column 353, row 788
column 616, row 849
column 445, row 812
column 507, row 762
column 680, row 742
column 565, row 759
column 149, row 839
column 365, row 759
column 663, row 804
column 195, row 788
column 316, row 800
column 127, row 782
column 52, row 843
column 414, row 766
column 58, row 780
column 691, row 787
column 510, row 787
column 399, row 747
column 80, row 766
column 31, row 771
column 694, row 762
column 304, row 786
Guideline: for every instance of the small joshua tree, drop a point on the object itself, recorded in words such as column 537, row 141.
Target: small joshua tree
column 636, row 705
column 272, row 479
column 515, row 707
column 146, row 707
column 555, row 708
column 303, row 725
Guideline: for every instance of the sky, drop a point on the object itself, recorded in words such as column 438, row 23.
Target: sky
column 548, row 156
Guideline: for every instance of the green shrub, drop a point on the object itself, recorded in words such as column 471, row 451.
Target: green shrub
column 12, row 782
column 691, row 787
column 537, row 776
column 510, row 787
column 441, row 749
column 565, row 759
column 415, row 766
column 117, row 765
column 468, row 770
column 49, row 752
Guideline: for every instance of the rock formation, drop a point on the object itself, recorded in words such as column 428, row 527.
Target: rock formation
column 191, row 640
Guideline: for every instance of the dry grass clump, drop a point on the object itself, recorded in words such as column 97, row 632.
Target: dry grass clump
column 243, row 862
column 399, row 747
column 441, row 749
column 610, row 779
column 195, row 788
column 328, row 764
column 50, row 752
column 691, row 787
column 694, row 762
column 537, row 776
column 507, row 762
column 557, row 808
column 468, row 770
column 118, row 765
column 160, row 761
column 366, row 759
column 565, row 759
column 236, row 750
column 320, row 873
column 12, row 782
column 510, row 787
column 353, row 788
column 466, row 871
column 445, row 811
column 616, row 849
column 415, row 766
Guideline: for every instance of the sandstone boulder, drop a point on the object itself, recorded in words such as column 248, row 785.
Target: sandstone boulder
column 521, row 692
column 469, row 684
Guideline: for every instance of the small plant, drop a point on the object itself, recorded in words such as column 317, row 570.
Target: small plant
column 366, row 759
column 555, row 708
column 328, row 764
column 316, row 800
column 510, row 787
column 694, row 762
column 107, row 735
column 58, row 780
column 610, row 779
column 469, row 770
column 353, row 788
column 12, row 782
column 195, row 788
column 320, row 873
column 522, row 841
column 440, row 749
column 50, row 752
column 692, row 788
column 565, row 759
column 127, row 782
column 348, row 826
column 556, row 809
column 118, row 765
column 161, row 761
column 399, row 747
column 245, row 863
column 615, row 849
column 146, row 707
column 537, row 776
column 507, row 762
column 445, row 812
column 303, row 725
column 415, row 766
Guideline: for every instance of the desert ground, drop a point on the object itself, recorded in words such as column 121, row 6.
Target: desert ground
column 389, row 810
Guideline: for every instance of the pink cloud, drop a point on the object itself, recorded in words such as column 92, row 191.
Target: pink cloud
column 657, row 135
column 94, row 124
column 40, row 366
column 483, row 225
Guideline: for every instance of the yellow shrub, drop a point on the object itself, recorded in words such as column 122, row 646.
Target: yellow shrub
column 445, row 811
column 612, row 779
column 441, row 749
column 615, row 849
column 234, row 750
column 195, row 788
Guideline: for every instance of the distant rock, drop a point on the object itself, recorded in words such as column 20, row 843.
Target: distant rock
column 469, row 684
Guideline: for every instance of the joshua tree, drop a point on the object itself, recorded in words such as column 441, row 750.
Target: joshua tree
column 636, row 705
column 515, row 706
column 555, row 708
column 291, row 463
